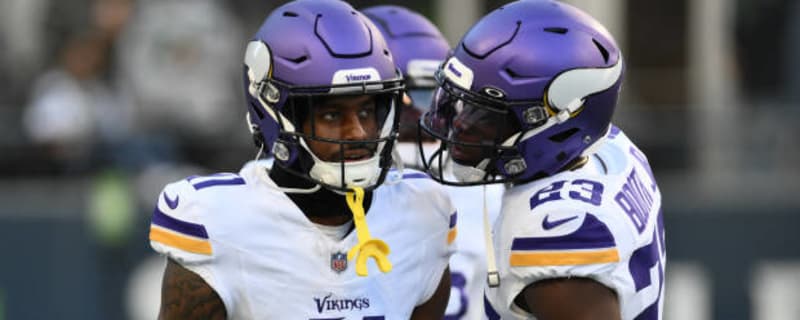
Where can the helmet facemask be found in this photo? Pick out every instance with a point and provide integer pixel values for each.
(338, 160)
(474, 133)
(310, 143)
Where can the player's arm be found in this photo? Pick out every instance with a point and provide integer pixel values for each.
(434, 308)
(570, 298)
(185, 295)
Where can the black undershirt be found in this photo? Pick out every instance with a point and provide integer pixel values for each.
(322, 203)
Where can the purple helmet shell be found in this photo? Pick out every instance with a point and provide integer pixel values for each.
(547, 70)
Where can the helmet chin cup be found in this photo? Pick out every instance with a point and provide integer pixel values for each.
(362, 174)
(468, 174)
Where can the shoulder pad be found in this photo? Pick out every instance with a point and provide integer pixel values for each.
(176, 228)
(575, 239)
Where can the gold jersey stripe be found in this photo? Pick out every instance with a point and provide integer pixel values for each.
(451, 236)
(184, 243)
(563, 258)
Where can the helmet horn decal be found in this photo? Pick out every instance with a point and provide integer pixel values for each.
(568, 90)
(258, 60)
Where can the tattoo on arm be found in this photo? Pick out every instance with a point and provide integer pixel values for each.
(435, 307)
(185, 295)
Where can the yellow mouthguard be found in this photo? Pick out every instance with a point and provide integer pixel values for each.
(367, 246)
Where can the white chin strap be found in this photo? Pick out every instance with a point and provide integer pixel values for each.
(492, 275)
(357, 174)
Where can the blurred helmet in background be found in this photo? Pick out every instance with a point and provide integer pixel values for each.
(418, 48)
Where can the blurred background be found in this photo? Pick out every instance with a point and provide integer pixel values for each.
(102, 102)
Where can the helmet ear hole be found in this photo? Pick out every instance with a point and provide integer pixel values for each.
(255, 131)
(561, 156)
(258, 139)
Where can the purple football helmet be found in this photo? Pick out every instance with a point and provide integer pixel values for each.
(417, 45)
(530, 88)
(305, 52)
(418, 49)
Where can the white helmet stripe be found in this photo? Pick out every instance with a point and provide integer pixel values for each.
(458, 73)
(569, 89)
(422, 68)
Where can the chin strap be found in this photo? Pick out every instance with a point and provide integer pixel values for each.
(367, 246)
(492, 276)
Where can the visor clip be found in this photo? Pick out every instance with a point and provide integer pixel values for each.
(280, 151)
(534, 115)
(515, 166)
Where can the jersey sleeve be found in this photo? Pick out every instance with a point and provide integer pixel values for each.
(568, 243)
(442, 219)
(177, 228)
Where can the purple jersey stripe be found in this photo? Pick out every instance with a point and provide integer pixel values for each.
(592, 234)
(453, 219)
(490, 312)
(613, 132)
(649, 313)
(457, 280)
(187, 228)
(415, 175)
(218, 182)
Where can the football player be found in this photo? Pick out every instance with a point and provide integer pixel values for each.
(526, 98)
(321, 233)
(419, 48)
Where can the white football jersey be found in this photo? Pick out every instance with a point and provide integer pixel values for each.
(266, 260)
(468, 263)
(602, 221)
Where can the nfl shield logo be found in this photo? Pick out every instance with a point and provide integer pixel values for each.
(338, 262)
